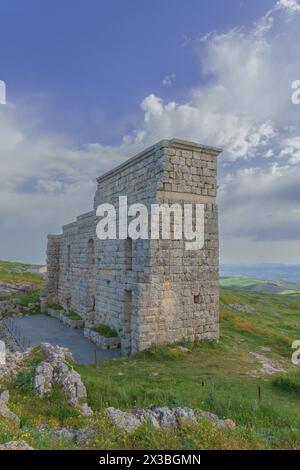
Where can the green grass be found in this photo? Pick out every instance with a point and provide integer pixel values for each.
(73, 316)
(17, 273)
(28, 297)
(105, 330)
(290, 292)
(288, 384)
(12, 272)
(217, 377)
(252, 283)
(56, 307)
(5, 297)
(240, 281)
(24, 300)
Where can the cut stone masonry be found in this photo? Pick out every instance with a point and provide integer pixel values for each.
(151, 292)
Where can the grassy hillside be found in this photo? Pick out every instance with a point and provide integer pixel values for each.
(260, 285)
(223, 378)
(19, 273)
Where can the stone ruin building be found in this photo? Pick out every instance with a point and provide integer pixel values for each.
(151, 292)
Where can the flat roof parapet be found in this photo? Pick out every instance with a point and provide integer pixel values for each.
(86, 215)
(165, 143)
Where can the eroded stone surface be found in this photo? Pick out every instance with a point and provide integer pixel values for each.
(56, 353)
(268, 366)
(164, 417)
(86, 410)
(124, 419)
(12, 364)
(5, 412)
(167, 292)
(80, 436)
(244, 308)
(58, 369)
(16, 445)
(43, 378)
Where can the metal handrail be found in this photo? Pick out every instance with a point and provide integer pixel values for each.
(15, 332)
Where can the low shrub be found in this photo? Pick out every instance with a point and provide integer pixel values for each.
(105, 330)
(288, 384)
(73, 316)
(55, 307)
(24, 382)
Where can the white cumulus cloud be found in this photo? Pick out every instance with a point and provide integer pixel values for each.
(242, 103)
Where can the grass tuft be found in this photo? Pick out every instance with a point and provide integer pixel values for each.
(105, 330)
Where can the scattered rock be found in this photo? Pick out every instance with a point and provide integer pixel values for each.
(268, 366)
(32, 306)
(265, 349)
(12, 363)
(10, 306)
(71, 383)
(220, 423)
(16, 445)
(163, 417)
(229, 423)
(149, 416)
(185, 416)
(123, 419)
(43, 427)
(242, 308)
(56, 369)
(56, 353)
(43, 378)
(7, 288)
(80, 436)
(85, 434)
(65, 433)
(183, 349)
(86, 410)
(5, 411)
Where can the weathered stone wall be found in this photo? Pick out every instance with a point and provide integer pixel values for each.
(182, 300)
(53, 259)
(73, 292)
(119, 289)
(166, 293)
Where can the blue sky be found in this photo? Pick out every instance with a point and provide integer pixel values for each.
(90, 63)
(90, 83)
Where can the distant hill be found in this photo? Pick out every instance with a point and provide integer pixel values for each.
(271, 272)
(259, 285)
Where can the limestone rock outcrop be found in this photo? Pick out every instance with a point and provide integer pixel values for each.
(5, 412)
(16, 445)
(57, 369)
(163, 417)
